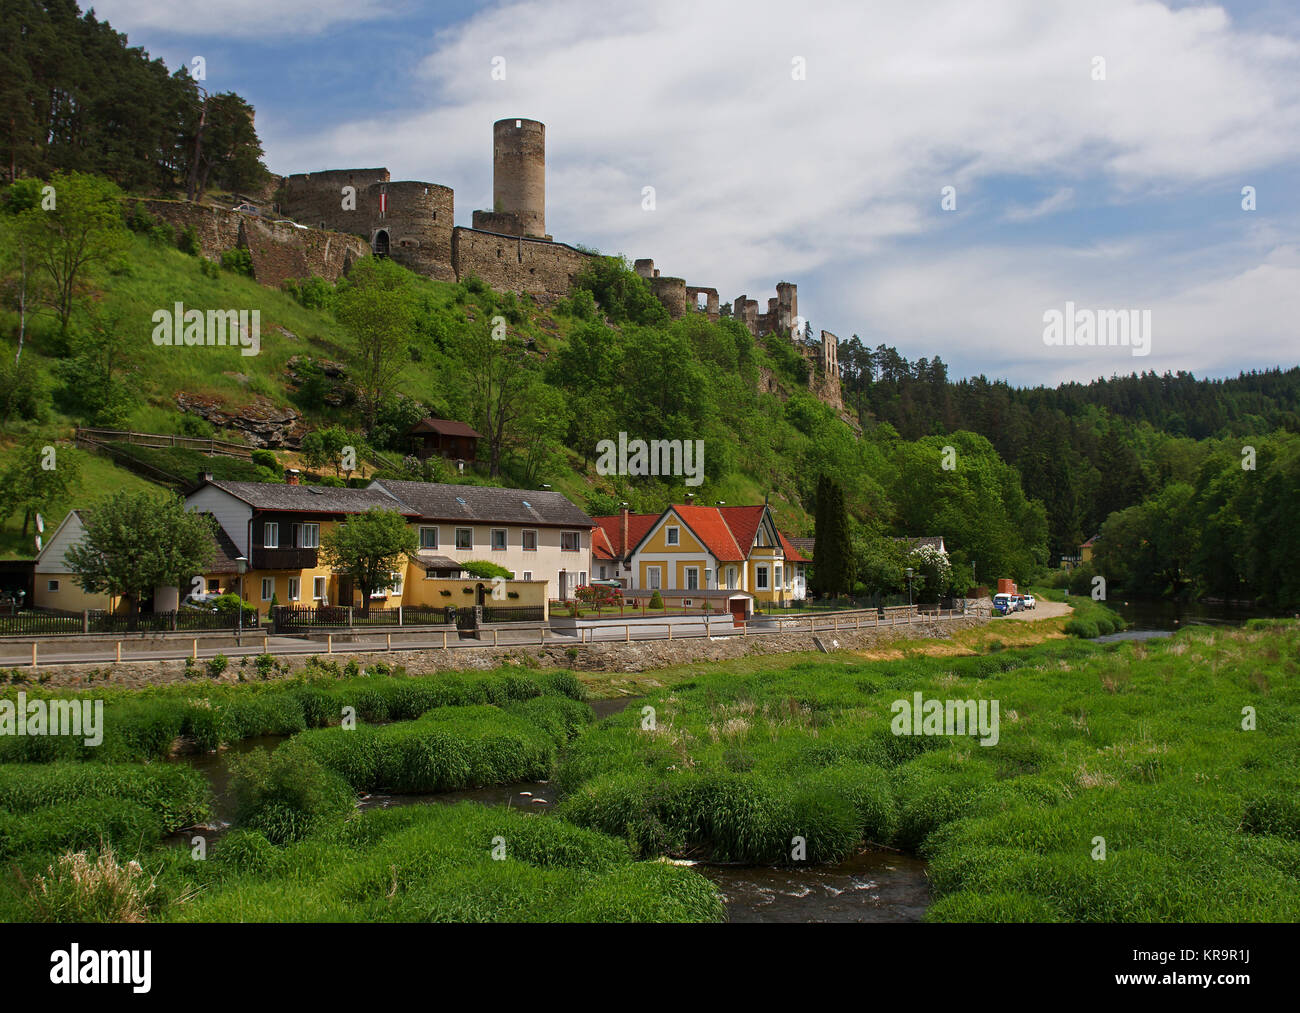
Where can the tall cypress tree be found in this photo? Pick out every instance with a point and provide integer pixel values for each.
(821, 559)
(841, 544)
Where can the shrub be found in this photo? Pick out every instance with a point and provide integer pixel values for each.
(238, 261)
(78, 889)
(187, 241)
(287, 794)
(217, 665)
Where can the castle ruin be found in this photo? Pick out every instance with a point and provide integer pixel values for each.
(413, 222)
(508, 247)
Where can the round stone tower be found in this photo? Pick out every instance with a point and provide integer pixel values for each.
(519, 173)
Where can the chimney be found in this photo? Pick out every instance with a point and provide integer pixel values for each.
(292, 476)
(623, 546)
(205, 476)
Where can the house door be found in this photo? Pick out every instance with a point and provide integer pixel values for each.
(737, 612)
(564, 586)
(345, 591)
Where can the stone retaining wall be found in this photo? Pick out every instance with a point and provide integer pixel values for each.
(617, 656)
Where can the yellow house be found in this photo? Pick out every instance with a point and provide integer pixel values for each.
(55, 582)
(539, 537)
(277, 530)
(698, 548)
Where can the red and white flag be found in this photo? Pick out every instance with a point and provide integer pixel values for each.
(383, 202)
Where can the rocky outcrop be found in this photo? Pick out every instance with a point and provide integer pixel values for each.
(261, 423)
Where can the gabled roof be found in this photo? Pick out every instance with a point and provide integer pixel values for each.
(1090, 542)
(323, 499)
(727, 532)
(435, 501)
(444, 427)
(744, 522)
(73, 517)
(226, 552)
(601, 547)
(710, 526)
(637, 527)
(791, 553)
(805, 546)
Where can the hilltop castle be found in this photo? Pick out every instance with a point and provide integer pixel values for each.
(508, 247)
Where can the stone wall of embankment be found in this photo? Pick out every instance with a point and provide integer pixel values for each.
(617, 656)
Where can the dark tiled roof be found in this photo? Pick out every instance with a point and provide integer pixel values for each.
(804, 545)
(444, 427)
(790, 552)
(435, 561)
(223, 559)
(483, 504)
(919, 541)
(308, 498)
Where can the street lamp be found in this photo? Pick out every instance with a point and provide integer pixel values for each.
(241, 564)
(909, 572)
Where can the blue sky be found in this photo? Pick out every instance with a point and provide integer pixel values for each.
(1121, 193)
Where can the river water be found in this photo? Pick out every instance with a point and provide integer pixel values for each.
(872, 886)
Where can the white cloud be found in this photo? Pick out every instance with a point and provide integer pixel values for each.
(834, 181)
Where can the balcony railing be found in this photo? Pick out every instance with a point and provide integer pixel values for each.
(283, 559)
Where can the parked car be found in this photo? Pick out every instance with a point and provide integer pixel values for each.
(1030, 601)
(1003, 604)
(247, 209)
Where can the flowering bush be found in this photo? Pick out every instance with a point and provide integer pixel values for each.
(599, 595)
(933, 572)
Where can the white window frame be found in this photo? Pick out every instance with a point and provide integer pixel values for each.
(672, 535)
(52, 586)
(760, 578)
(777, 576)
(318, 588)
(577, 541)
(428, 529)
(397, 578)
(271, 535)
(528, 575)
(652, 577)
(505, 539)
(268, 583)
(470, 532)
(309, 536)
(524, 539)
(295, 587)
(691, 573)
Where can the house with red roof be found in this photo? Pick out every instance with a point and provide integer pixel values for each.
(700, 548)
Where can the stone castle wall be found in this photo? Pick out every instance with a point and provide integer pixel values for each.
(278, 252)
(515, 264)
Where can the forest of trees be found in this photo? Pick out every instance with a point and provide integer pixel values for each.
(76, 97)
(1083, 450)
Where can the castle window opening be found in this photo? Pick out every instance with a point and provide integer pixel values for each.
(381, 243)
(518, 124)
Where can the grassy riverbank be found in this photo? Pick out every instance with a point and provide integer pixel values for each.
(1139, 746)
